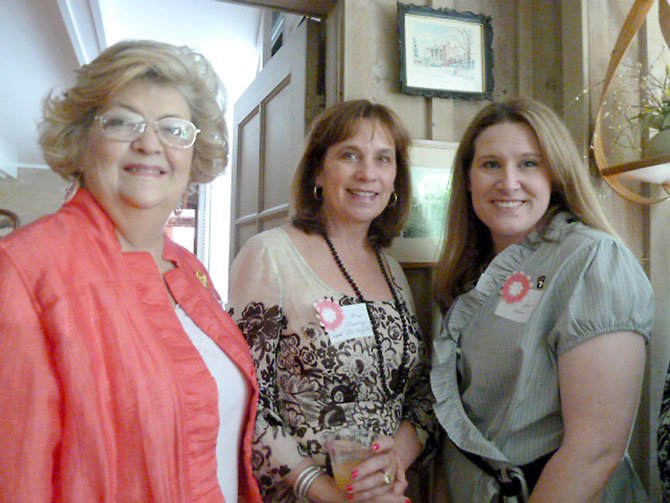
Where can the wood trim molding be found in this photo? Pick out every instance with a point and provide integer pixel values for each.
(318, 8)
(85, 28)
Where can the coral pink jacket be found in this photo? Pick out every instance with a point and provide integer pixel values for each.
(102, 395)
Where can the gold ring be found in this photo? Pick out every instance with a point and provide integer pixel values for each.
(388, 480)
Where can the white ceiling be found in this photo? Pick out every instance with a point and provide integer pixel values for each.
(42, 42)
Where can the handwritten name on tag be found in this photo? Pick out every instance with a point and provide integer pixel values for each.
(355, 325)
(519, 311)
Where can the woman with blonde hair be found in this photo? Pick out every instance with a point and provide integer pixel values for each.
(538, 367)
(121, 376)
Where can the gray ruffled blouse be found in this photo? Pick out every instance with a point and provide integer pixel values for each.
(495, 376)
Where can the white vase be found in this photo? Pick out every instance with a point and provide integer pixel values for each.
(659, 144)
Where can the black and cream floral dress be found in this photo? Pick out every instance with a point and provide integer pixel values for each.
(309, 385)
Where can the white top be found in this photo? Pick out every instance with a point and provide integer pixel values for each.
(233, 397)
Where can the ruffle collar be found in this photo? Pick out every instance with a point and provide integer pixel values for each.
(507, 262)
(448, 406)
(103, 228)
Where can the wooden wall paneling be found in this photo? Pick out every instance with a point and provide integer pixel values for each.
(441, 112)
(576, 102)
(505, 46)
(450, 117)
(539, 68)
(547, 56)
(420, 281)
(524, 43)
(372, 63)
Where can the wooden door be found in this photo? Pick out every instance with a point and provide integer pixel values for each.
(270, 122)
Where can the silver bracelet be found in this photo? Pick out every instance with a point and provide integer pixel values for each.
(301, 477)
(305, 480)
(307, 483)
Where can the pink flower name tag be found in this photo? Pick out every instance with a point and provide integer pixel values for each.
(518, 298)
(343, 323)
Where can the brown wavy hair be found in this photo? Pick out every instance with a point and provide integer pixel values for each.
(468, 246)
(334, 125)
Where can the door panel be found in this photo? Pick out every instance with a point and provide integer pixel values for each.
(270, 121)
(249, 157)
(271, 223)
(246, 231)
(279, 162)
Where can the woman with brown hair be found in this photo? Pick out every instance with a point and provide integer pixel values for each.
(538, 368)
(329, 315)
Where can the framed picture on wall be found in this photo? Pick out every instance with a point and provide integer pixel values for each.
(444, 53)
(420, 243)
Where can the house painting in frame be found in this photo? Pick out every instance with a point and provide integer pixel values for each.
(445, 53)
(420, 242)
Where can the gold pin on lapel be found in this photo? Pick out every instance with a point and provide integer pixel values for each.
(202, 277)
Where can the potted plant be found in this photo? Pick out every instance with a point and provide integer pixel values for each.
(655, 115)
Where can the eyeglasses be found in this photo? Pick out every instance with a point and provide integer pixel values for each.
(172, 131)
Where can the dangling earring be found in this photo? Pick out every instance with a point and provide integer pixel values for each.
(318, 193)
(393, 200)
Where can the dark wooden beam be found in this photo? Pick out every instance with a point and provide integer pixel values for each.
(318, 8)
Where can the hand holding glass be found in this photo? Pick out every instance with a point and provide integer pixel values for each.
(348, 447)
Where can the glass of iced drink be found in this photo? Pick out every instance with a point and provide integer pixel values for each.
(348, 447)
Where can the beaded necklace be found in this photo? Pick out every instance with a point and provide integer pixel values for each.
(402, 311)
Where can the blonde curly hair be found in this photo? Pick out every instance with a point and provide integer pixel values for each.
(68, 116)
